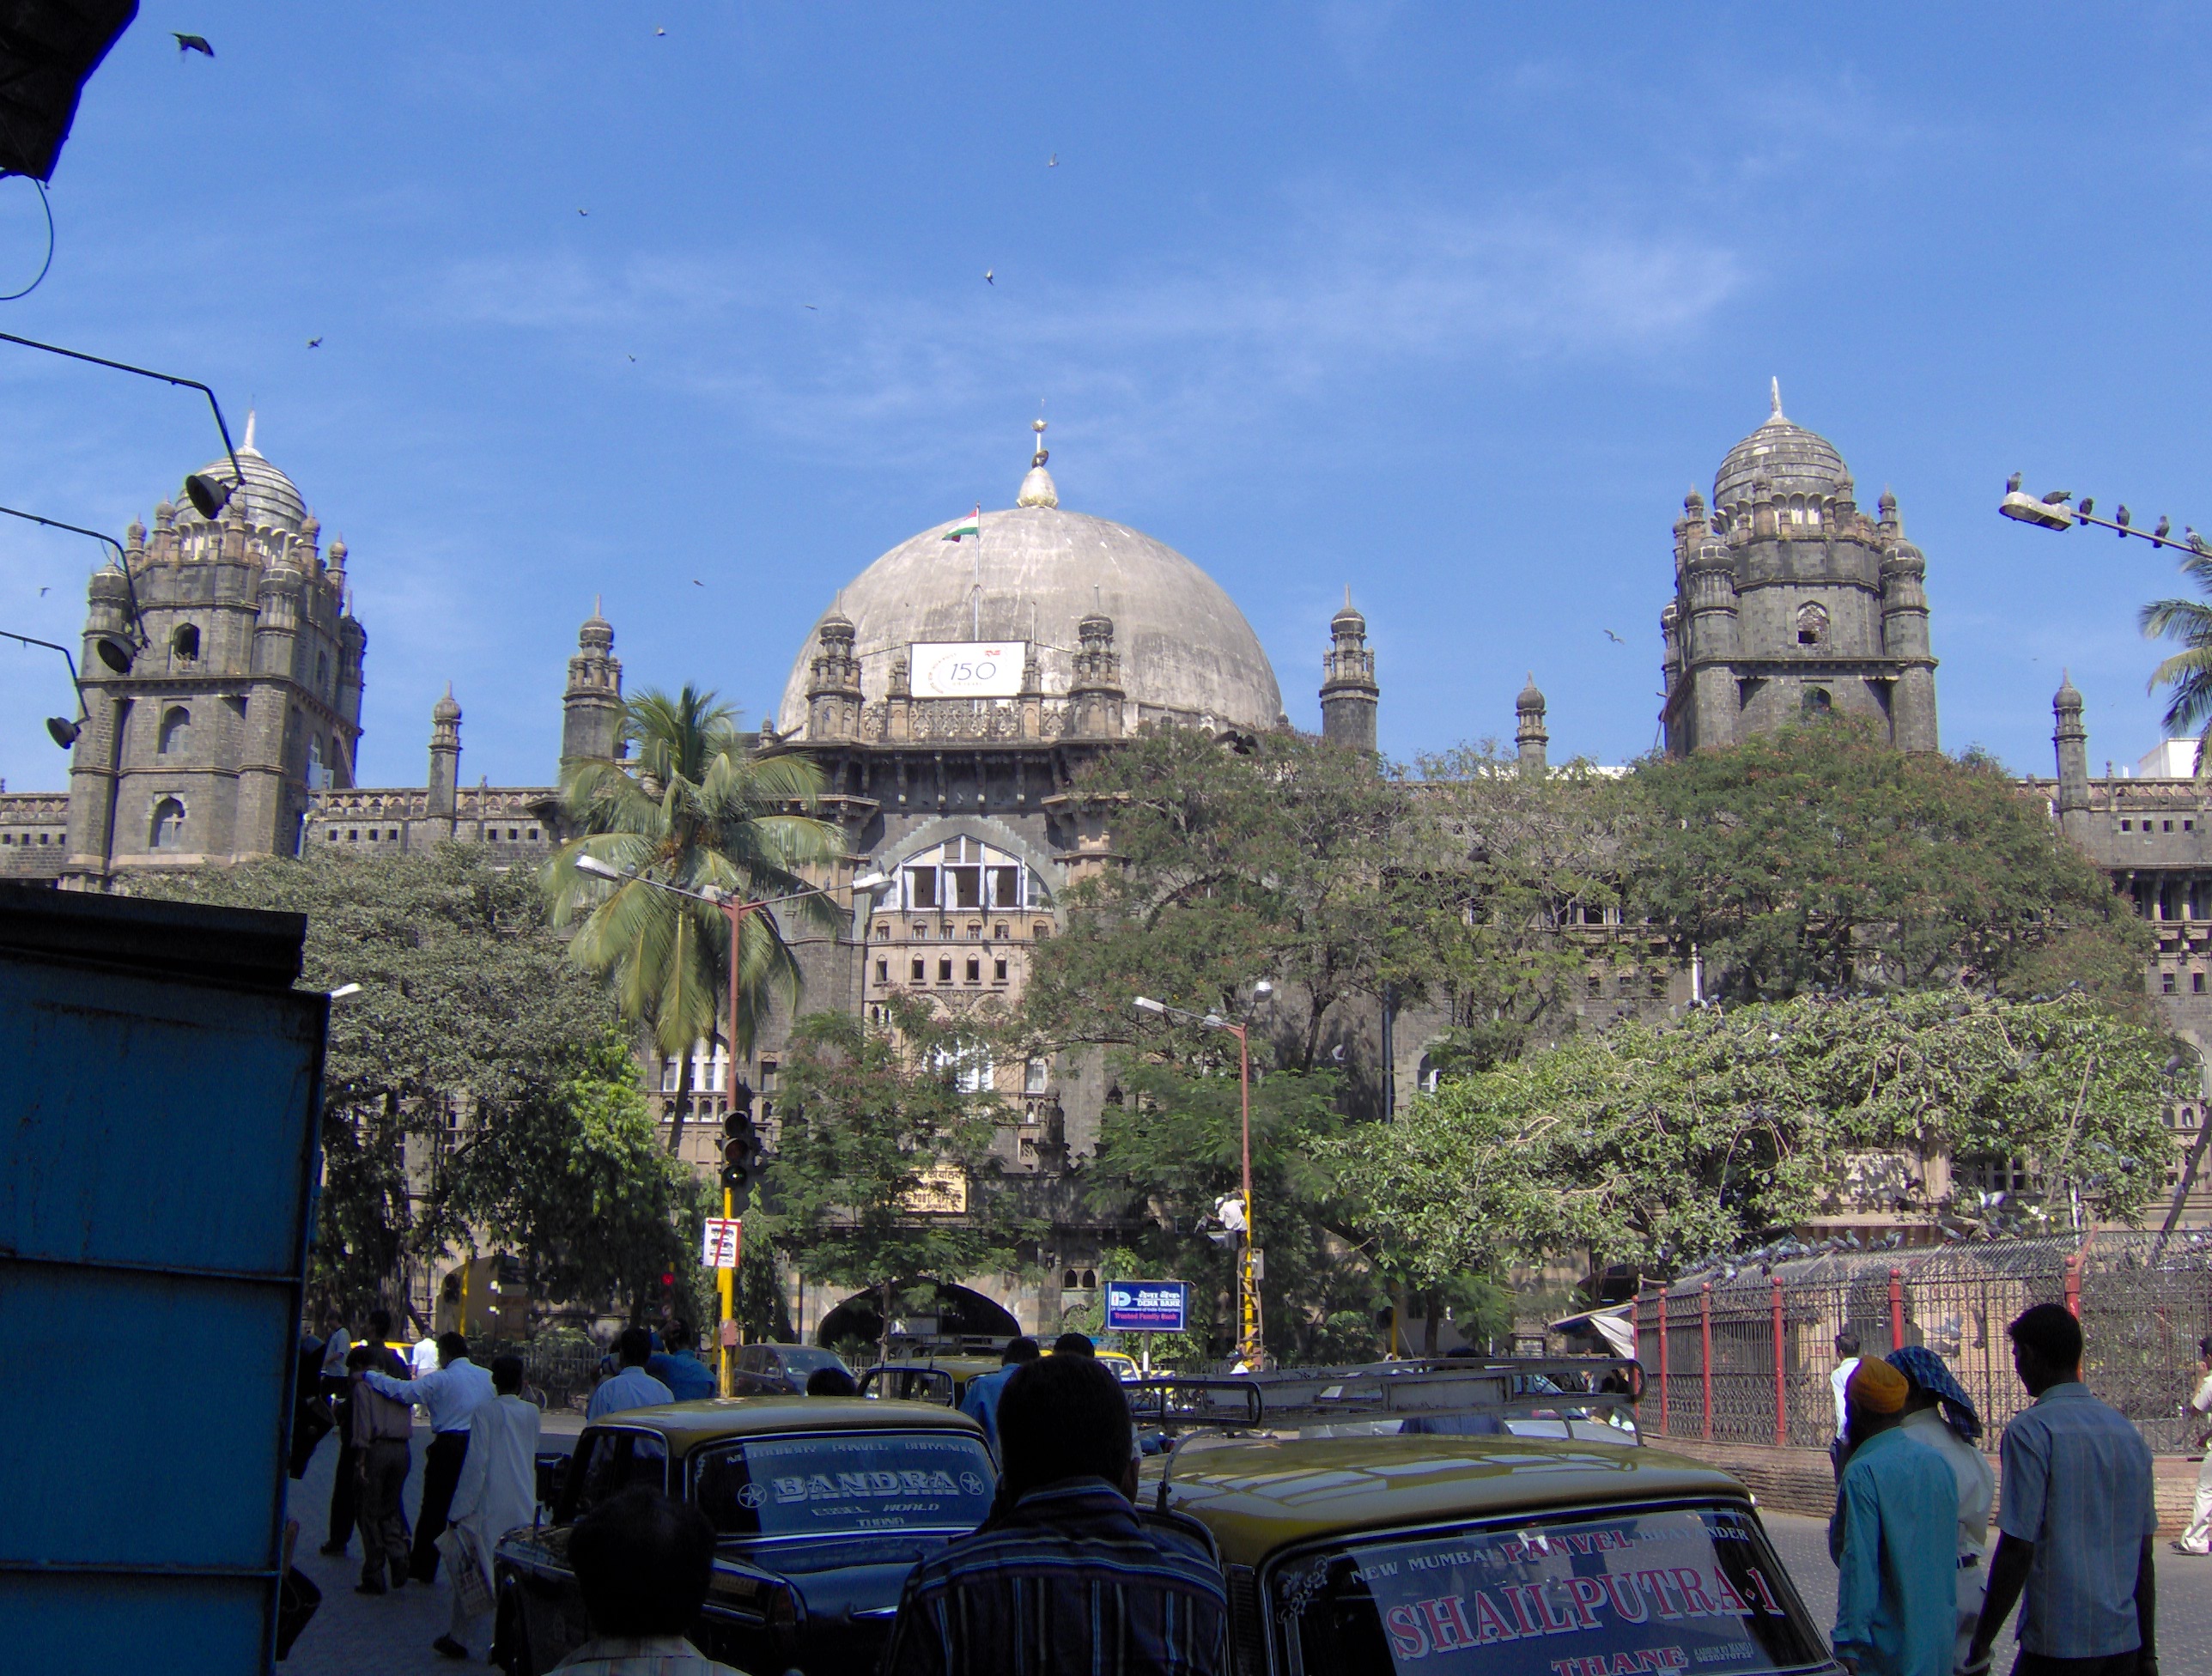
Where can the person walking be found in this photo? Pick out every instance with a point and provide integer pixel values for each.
(338, 1387)
(498, 1488)
(1063, 1576)
(630, 1385)
(1939, 1414)
(1891, 1538)
(2196, 1538)
(688, 1378)
(2075, 1522)
(1847, 1362)
(382, 1428)
(449, 1398)
(980, 1401)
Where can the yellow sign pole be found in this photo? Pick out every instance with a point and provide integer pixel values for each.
(728, 1280)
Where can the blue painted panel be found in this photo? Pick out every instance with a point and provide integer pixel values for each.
(181, 1626)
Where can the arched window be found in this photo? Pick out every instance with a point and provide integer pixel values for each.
(186, 643)
(1817, 703)
(1813, 624)
(168, 825)
(176, 730)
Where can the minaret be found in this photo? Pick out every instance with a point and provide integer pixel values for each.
(1348, 692)
(445, 758)
(1529, 735)
(2072, 740)
(833, 686)
(1905, 633)
(591, 707)
(1095, 696)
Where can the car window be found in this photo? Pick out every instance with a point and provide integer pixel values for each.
(1674, 1588)
(804, 1359)
(844, 1482)
(609, 1462)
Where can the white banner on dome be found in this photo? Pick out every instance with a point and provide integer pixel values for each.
(968, 669)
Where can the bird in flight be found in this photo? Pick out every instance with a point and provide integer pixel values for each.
(314, 343)
(696, 583)
(583, 212)
(988, 278)
(1614, 638)
(816, 307)
(658, 31)
(1052, 162)
(42, 593)
(192, 44)
(633, 357)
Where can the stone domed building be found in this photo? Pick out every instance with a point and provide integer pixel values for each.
(1790, 602)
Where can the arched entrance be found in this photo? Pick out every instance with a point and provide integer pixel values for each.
(960, 1314)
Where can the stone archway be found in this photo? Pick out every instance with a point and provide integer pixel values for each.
(961, 1313)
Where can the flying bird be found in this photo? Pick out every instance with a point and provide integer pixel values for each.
(42, 593)
(813, 305)
(2012, 483)
(1052, 162)
(696, 583)
(314, 343)
(2165, 526)
(583, 212)
(988, 278)
(633, 357)
(1614, 638)
(193, 44)
(658, 30)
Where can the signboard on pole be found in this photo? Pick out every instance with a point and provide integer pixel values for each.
(1146, 1306)
(721, 1241)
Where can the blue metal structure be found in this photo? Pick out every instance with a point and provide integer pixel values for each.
(160, 1083)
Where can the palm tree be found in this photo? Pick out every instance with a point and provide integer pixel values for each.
(2188, 671)
(697, 810)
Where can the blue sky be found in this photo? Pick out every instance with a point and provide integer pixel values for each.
(1451, 303)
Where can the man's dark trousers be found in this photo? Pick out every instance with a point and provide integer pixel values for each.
(441, 1476)
(382, 1525)
(345, 1489)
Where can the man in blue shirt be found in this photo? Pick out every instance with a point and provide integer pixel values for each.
(1063, 1576)
(631, 1387)
(1892, 1538)
(2074, 1520)
(686, 1376)
(980, 1402)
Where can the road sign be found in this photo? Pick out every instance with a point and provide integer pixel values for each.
(718, 1244)
(1146, 1306)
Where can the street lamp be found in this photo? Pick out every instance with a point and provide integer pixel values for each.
(112, 652)
(734, 910)
(208, 495)
(1252, 1348)
(2050, 512)
(64, 731)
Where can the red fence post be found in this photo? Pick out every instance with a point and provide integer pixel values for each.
(1705, 1351)
(1665, 1430)
(1781, 1408)
(1897, 1308)
(2073, 1285)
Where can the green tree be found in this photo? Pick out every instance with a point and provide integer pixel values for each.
(2188, 671)
(882, 1178)
(693, 809)
(1821, 858)
(473, 1037)
(1655, 1145)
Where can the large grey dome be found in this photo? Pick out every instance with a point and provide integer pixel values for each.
(269, 499)
(1033, 574)
(1790, 458)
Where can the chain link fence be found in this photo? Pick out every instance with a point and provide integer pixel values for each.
(1745, 1356)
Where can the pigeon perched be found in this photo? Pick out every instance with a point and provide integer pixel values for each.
(2196, 541)
(2087, 505)
(192, 44)
(2121, 517)
(2165, 526)
(2012, 483)
(2058, 497)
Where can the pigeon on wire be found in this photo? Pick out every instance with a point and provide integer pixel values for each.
(2088, 503)
(2122, 517)
(2012, 483)
(192, 44)
(2165, 527)
(2058, 497)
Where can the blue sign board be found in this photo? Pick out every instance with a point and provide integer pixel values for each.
(1146, 1306)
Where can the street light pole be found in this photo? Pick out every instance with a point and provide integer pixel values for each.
(2050, 512)
(734, 910)
(115, 656)
(63, 730)
(1252, 1344)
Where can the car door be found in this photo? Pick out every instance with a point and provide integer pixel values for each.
(548, 1608)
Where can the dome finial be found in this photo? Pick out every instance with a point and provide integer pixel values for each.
(247, 447)
(1038, 489)
(1774, 387)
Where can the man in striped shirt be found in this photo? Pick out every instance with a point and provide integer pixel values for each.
(1063, 1578)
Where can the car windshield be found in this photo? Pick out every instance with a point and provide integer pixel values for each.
(804, 1358)
(1674, 1588)
(841, 1482)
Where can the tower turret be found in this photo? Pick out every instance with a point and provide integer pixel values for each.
(1349, 695)
(445, 757)
(1095, 695)
(833, 690)
(2072, 740)
(1529, 736)
(591, 707)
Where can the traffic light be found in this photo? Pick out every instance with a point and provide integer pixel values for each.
(742, 1162)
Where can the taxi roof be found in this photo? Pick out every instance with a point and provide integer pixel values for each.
(711, 1419)
(1259, 1494)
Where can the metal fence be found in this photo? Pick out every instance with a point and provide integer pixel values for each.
(1747, 1357)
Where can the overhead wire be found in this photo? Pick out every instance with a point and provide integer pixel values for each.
(46, 266)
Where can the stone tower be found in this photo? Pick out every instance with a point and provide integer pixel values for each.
(2072, 741)
(1348, 692)
(1095, 694)
(1529, 738)
(445, 756)
(592, 706)
(833, 692)
(1790, 604)
(244, 698)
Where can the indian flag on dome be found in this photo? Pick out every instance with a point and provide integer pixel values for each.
(971, 526)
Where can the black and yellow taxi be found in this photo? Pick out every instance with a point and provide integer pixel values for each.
(821, 1506)
(1389, 1526)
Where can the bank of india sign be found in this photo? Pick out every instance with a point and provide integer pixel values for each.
(966, 669)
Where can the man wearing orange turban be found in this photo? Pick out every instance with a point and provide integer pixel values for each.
(1892, 1537)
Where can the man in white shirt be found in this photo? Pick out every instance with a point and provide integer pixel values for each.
(1847, 1364)
(498, 1490)
(449, 1399)
(423, 1358)
(630, 1385)
(1939, 1414)
(2197, 1538)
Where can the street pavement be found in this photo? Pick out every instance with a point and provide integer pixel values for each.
(355, 1635)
